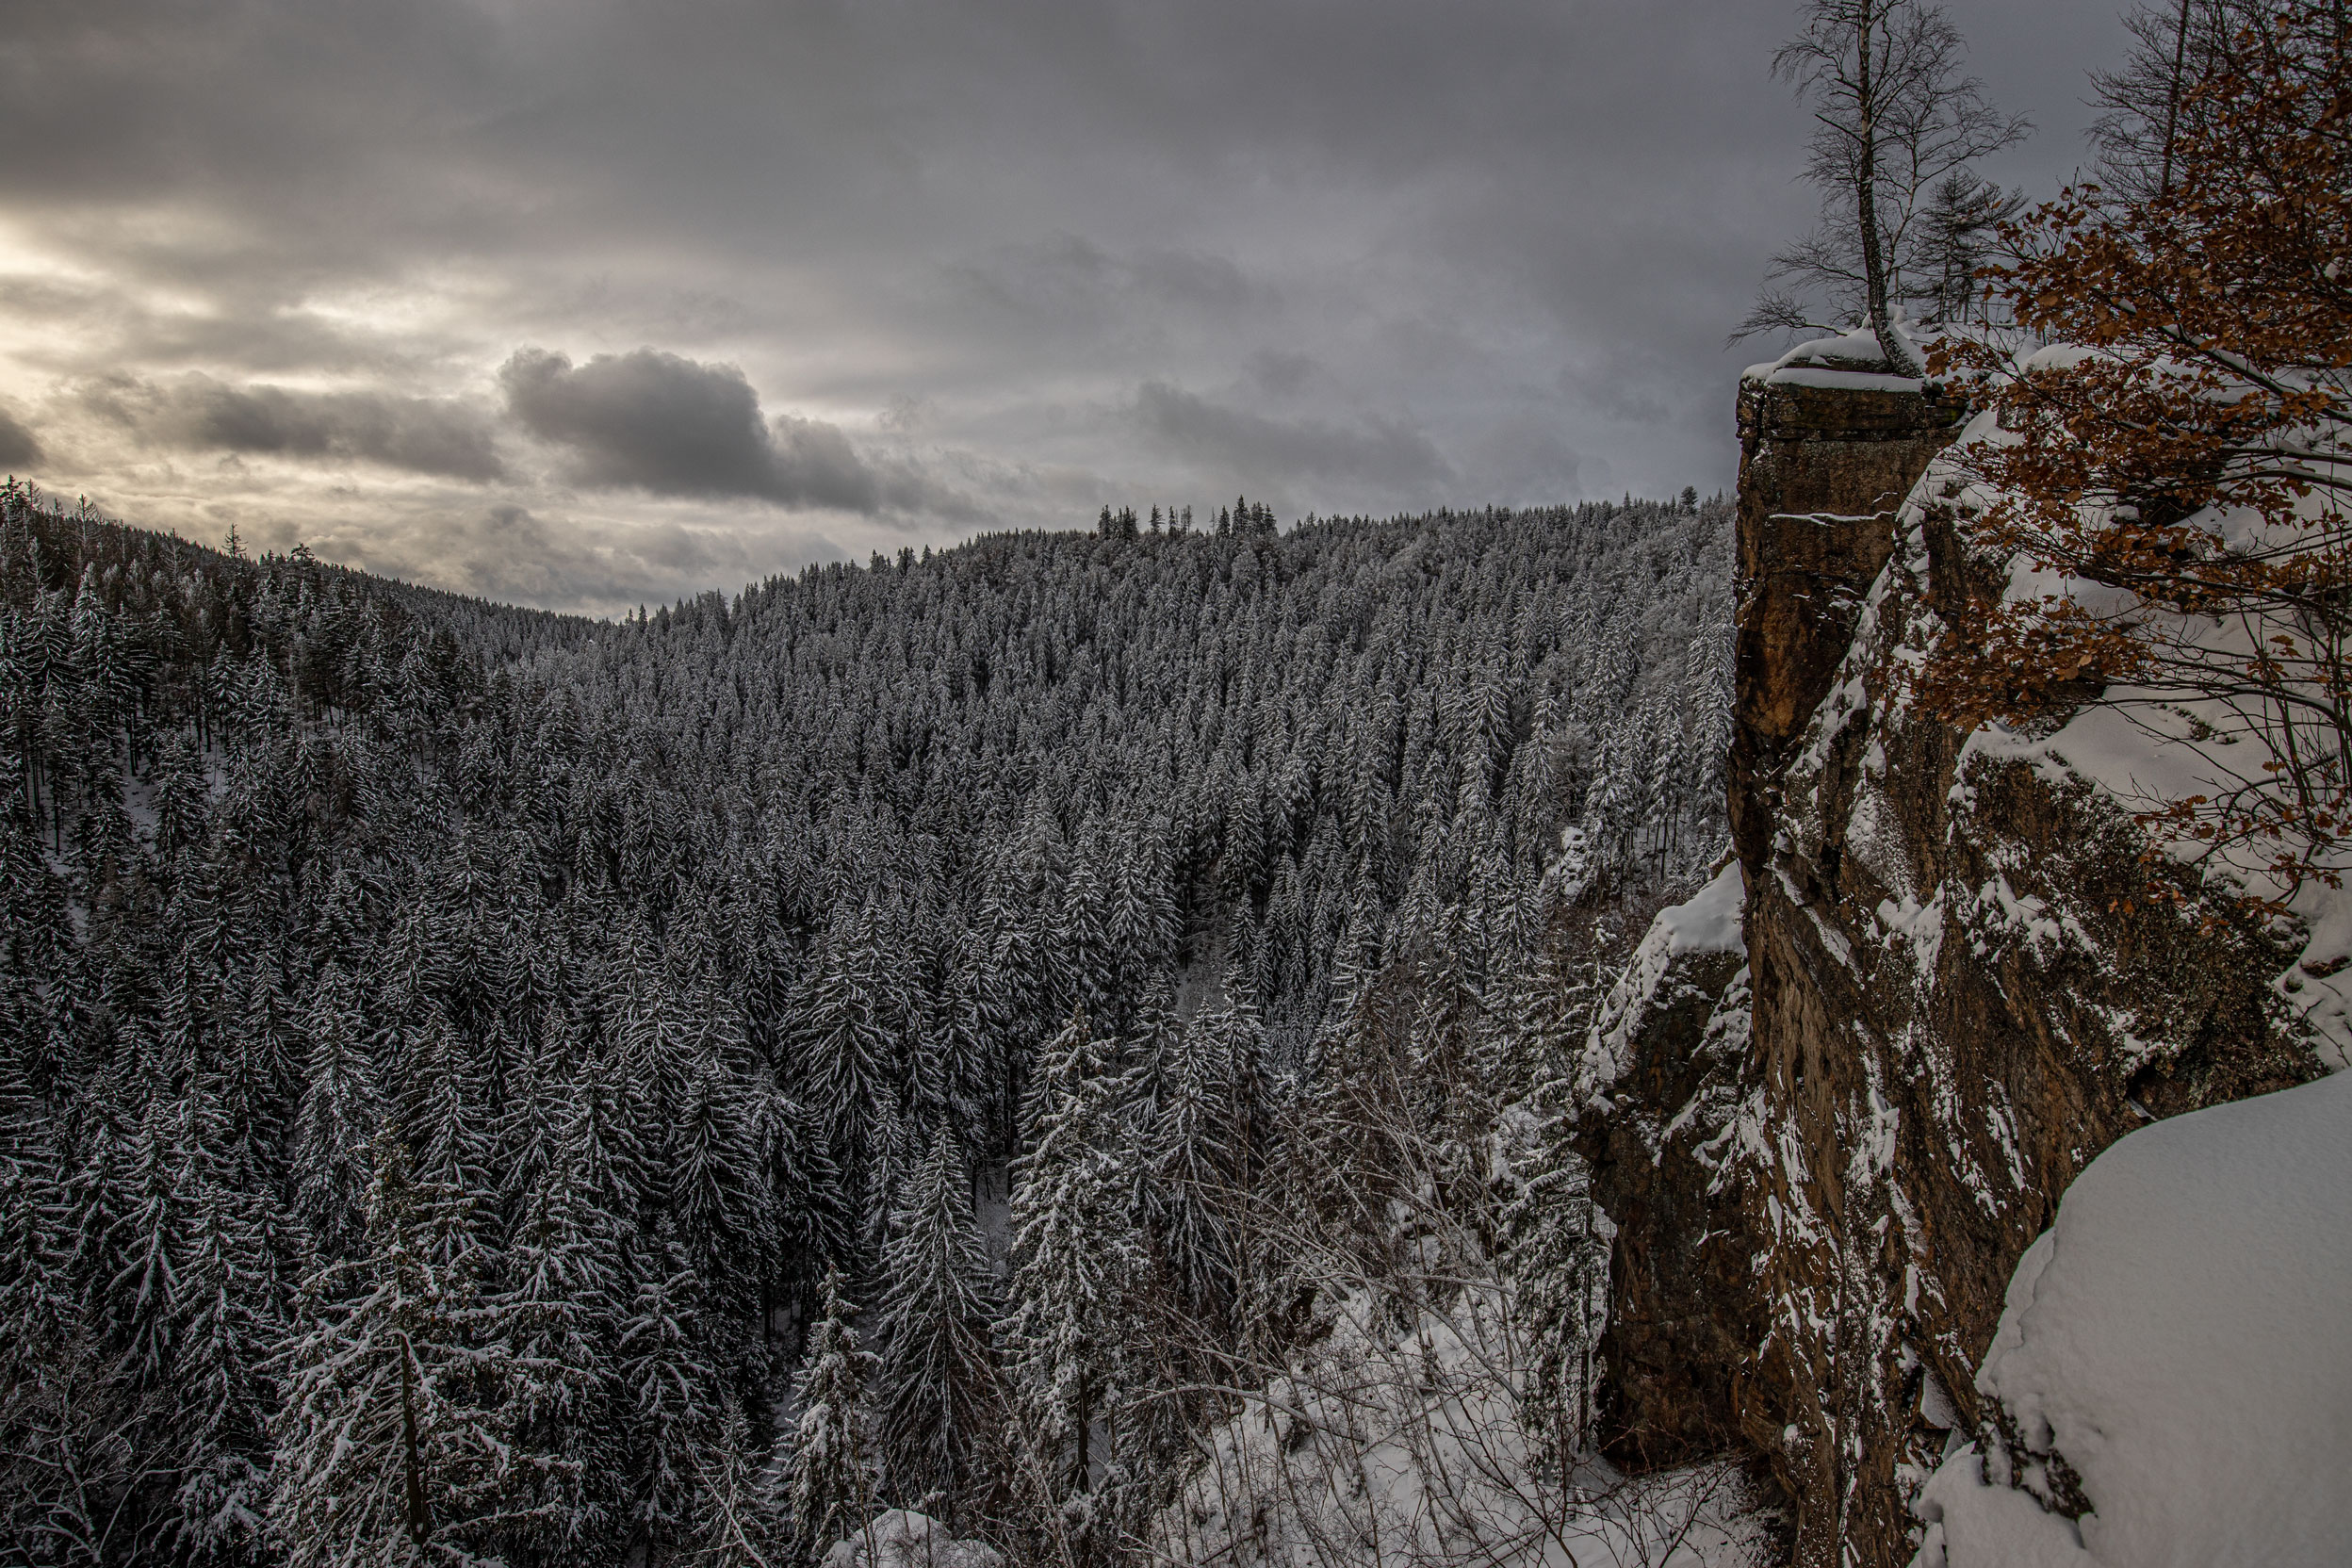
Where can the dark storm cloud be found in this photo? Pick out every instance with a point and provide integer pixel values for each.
(1528, 222)
(1263, 451)
(18, 449)
(667, 424)
(656, 421)
(424, 435)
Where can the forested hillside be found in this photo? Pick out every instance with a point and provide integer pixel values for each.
(457, 1061)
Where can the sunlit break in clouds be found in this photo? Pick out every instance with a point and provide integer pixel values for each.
(593, 304)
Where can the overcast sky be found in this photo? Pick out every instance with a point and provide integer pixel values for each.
(585, 304)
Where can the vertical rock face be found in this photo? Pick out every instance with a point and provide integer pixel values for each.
(1822, 470)
(1964, 978)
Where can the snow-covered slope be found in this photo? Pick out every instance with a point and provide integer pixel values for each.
(1388, 1449)
(2174, 1362)
(901, 1538)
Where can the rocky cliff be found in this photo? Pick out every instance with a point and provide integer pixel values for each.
(1963, 977)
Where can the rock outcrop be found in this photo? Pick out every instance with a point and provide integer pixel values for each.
(1662, 1077)
(1964, 977)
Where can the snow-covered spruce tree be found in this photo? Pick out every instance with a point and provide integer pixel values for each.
(1077, 1260)
(842, 1027)
(715, 1198)
(564, 1287)
(967, 1028)
(340, 1109)
(1083, 936)
(805, 1230)
(1142, 908)
(832, 1489)
(601, 1141)
(261, 1076)
(227, 1305)
(647, 1031)
(673, 1391)
(890, 1158)
(1556, 1254)
(39, 1489)
(443, 1112)
(1193, 1153)
(397, 1439)
(72, 1459)
(936, 1386)
(739, 1520)
(35, 1302)
(150, 1239)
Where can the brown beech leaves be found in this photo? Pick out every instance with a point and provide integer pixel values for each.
(2181, 467)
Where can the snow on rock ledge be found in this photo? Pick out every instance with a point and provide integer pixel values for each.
(1851, 361)
(2173, 1362)
(1709, 923)
(1705, 925)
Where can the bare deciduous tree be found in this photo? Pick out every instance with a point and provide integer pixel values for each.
(1896, 125)
(2151, 103)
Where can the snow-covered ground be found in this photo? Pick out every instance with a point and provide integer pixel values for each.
(1411, 1449)
(902, 1538)
(2175, 1354)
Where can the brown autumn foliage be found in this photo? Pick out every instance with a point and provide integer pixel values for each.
(2189, 455)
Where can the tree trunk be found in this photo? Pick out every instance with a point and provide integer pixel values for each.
(1898, 356)
(2172, 95)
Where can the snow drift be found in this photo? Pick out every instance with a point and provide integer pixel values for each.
(2173, 1363)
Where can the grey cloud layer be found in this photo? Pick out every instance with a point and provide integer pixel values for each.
(999, 262)
(425, 435)
(1382, 455)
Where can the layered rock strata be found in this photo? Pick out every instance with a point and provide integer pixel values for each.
(1964, 977)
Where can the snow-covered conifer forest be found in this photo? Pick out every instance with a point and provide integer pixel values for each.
(969, 1035)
